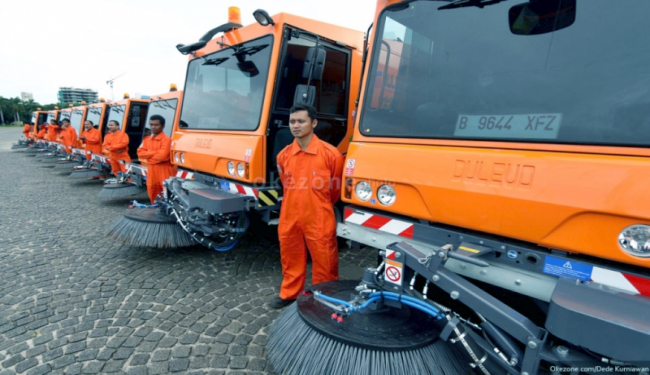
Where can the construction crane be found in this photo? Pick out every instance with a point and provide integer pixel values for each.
(110, 82)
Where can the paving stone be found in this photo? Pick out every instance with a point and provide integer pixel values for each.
(13, 360)
(93, 367)
(123, 353)
(220, 361)
(37, 350)
(137, 370)
(161, 355)
(40, 370)
(52, 354)
(18, 348)
(87, 355)
(178, 365)
(26, 365)
(139, 359)
(75, 347)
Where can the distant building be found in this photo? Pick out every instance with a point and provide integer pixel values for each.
(26, 96)
(73, 95)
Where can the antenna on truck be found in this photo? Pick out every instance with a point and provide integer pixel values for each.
(110, 83)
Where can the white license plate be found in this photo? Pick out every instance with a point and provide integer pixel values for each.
(531, 126)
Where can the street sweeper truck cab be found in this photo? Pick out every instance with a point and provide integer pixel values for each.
(97, 114)
(168, 106)
(235, 117)
(130, 115)
(504, 185)
(75, 157)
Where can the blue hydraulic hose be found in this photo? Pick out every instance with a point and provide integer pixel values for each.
(135, 204)
(373, 297)
(226, 248)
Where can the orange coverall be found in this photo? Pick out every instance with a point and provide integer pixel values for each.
(311, 184)
(156, 150)
(68, 138)
(52, 132)
(118, 146)
(26, 130)
(41, 133)
(93, 144)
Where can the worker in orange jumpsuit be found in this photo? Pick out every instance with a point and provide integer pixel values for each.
(156, 151)
(116, 147)
(68, 136)
(52, 130)
(310, 170)
(41, 132)
(92, 140)
(28, 128)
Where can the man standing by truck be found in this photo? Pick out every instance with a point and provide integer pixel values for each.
(310, 170)
(116, 147)
(92, 140)
(155, 150)
(68, 136)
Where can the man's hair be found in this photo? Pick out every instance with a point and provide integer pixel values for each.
(91, 123)
(66, 120)
(55, 122)
(311, 111)
(159, 118)
(31, 123)
(115, 121)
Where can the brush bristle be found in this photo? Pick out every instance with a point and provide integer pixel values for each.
(294, 348)
(68, 165)
(143, 234)
(126, 191)
(85, 173)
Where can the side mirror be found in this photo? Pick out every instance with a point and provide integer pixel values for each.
(185, 49)
(541, 17)
(314, 63)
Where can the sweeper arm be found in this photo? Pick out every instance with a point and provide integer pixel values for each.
(575, 310)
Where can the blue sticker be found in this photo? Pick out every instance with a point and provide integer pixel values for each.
(512, 254)
(372, 201)
(225, 185)
(570, 268)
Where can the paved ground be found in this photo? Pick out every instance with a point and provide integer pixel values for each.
(72, 301)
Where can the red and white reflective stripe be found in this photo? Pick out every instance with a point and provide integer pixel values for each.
(241, 189)
(622, 281)
(380, 223)
(185, 175)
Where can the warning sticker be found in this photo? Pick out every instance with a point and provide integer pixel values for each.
(349, 167)
(393, 272)
(247, 154)
(569, 268)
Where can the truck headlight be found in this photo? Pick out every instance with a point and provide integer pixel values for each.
(386, 195)
(182, 158)
(240, 170)
(231, 168)
(176, 157)
(363, 190)
(635, 240)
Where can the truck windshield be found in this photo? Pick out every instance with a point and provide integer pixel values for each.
(117, 114)
(64, 115)
(75, 119)
(462, 73)
(225, 90)
(94, 115)
(33, 118)
(166, 109)
(51, 116)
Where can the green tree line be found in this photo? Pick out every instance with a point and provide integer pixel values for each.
(15, 110)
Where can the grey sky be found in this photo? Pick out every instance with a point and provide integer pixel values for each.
(48, 44)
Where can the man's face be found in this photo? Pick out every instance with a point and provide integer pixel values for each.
(300, 124)
(88, 125)
(65, 124)
(156, 126)
(53, 122)
(112, 127)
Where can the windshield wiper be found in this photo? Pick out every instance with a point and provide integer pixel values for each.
(216, 61)
(243, 51)
(469, 3)
(117, 109)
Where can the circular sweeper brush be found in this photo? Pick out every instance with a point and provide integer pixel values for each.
(148, 227)
(305, 340)
(119, 190)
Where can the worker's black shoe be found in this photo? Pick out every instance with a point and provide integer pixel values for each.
(278, 303)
